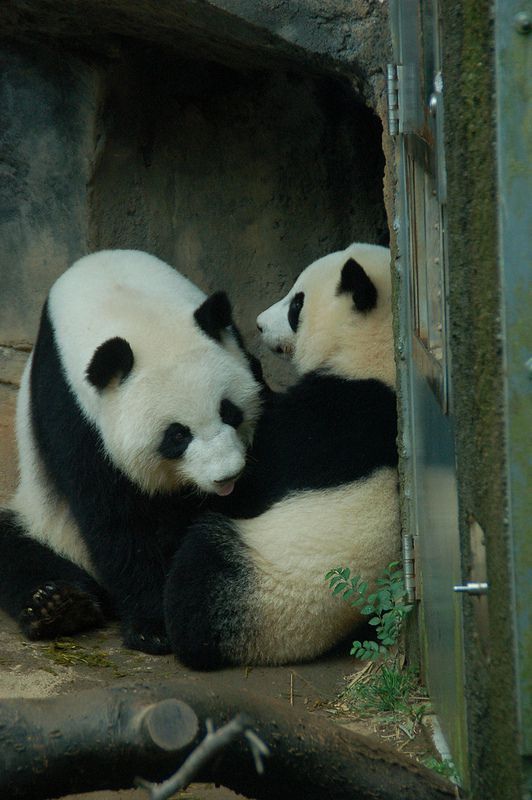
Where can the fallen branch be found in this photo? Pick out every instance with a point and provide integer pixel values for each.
(99, 740)
(214, 742)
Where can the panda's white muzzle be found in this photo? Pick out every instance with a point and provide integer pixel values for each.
(214, 464)
(275, 329)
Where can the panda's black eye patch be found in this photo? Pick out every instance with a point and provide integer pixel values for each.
(231, 414)
(294, 310)
(175, 441)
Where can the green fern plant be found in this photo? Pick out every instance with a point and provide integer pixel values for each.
(386, 607)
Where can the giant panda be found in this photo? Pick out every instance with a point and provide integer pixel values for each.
(137, 402)
(320, 490)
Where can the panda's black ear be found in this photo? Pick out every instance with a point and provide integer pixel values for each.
(214, 315)
(112, 359)
(355, 281)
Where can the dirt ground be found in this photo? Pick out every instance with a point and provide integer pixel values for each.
(97, 659)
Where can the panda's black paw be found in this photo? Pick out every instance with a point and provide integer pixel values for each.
(60, 609)
(149, 637)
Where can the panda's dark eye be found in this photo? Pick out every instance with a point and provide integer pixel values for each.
(294, 310)
(175, 441)
(231, 414)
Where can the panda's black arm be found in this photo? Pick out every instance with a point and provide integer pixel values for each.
(131, 553)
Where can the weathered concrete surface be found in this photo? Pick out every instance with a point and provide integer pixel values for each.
(48, 105)
(346, 36)
(230, 139)
(8, 450)
(239, 179)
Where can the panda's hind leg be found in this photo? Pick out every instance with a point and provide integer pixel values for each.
(47, 595)
(207, 596)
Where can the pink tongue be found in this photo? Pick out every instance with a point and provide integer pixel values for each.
(225, 489)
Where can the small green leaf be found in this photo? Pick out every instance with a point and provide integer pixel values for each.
(367, 610)
(348, 593)
(374, 621)
(339, 586)
(345, 573)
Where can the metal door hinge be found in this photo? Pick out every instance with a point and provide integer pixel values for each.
(392, 86)
(404, 112)
(409, 568)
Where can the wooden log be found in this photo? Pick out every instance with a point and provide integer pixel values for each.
(102, 739)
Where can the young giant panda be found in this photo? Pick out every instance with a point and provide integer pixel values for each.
(320, 489)
(136, 401)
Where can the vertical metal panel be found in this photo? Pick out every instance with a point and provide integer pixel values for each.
(513, 41)
(427, 449)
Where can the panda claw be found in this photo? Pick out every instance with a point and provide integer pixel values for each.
(59, 610)
(138, 636)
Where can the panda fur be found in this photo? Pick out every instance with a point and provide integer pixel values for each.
(320, 489)
(136, 402)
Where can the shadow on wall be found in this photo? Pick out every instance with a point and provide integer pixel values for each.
(239, 179)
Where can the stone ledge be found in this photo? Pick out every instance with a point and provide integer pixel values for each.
(12, 362)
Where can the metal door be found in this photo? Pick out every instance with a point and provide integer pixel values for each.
(416, 91)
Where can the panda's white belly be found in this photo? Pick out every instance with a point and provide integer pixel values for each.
(298, 540)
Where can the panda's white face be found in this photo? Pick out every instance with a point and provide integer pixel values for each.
(337, 316)
(155, 366)
(185, 424)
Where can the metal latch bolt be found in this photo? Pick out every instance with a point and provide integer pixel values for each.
(472, 588)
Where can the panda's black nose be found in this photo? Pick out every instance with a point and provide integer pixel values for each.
(259, 327)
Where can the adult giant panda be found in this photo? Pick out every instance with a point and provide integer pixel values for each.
(320, 489)
(137, 400)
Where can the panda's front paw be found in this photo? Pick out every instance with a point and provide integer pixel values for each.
(60, 609)
(149, 637)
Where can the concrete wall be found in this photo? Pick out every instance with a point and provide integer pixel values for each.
(238, 178)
